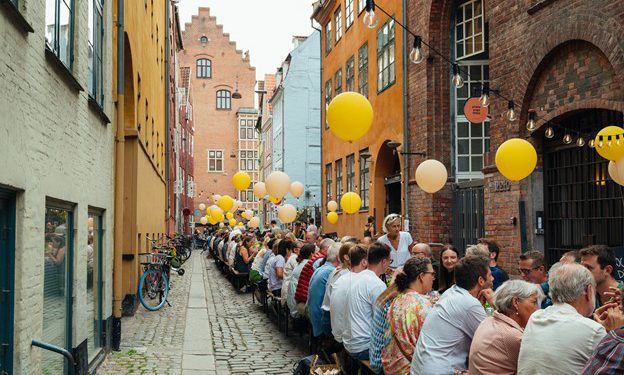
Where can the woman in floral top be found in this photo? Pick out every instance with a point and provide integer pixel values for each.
(406, 315)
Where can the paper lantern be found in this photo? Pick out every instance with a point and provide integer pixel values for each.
(259, 190)
(616, 170)
(350, 116)
(203, 220)
(232, 222)
(287, 213)
(229, 216)
(248, 214)
(254, 222)
(240, 225)
(241, 180)
(332, 217)
(277, 184)
(296, 189)
(202, 207)
(351, 202)
(225, 203)
(431, 176)
(516, 159)
(332, 206)
(609, 143)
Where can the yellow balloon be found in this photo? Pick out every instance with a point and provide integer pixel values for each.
(212, 221)
(240, 224)
(241, 180)
(516, 159)
(287, 213)
(609, 143)
(259, 190)
(431, 175)
(216, 213)
(277, 184)
(235, 206)
(232, 222)
(275, 200)
(225, 202)
(350, 116)
(296, 189)
(351, 202)
(332, 217)
(332, 206)
(229, 216)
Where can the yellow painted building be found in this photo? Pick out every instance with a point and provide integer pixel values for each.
(369, 61)
(140, 122)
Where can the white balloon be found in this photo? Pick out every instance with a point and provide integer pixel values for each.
(287, 213)
(296, 189)
(249, 214)
(216, 198)
(431, 175)
(259, 190)
(277, 184)
(254, 222)
(332, 206)
(202, 206)
(616, 169)
(203, 220)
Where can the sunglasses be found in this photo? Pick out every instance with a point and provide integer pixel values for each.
(524, 271)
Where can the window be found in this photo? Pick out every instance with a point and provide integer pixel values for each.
(94, 270)
(224, 99)
(350, 70)
(385, 56)
(469, 29)
(338, 82)
(215, 160)
(247, 195)
(247, 130)
(203, 40)
(59, 29)
(328, 37)
(328, 182)
(57, 285)
(328, 98)
(364, 176)
(338, 181)
(361, 6)
(351, 172)
(363, 70)
(471, 140)
(248, 160)
(348, 13)
(204, 68)
(96, 37)
(338, 20)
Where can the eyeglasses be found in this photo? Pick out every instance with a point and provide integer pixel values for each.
(524, 271)
(433, 273)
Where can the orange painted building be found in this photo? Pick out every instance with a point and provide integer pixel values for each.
(219, 74)
(369, 61)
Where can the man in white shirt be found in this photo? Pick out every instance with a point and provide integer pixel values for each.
(340, 291)
(366, 286)
(560, 339)
(446, 335)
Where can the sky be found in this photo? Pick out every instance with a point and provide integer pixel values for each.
(264, 27)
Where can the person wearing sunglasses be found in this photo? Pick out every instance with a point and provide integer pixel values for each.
(398, 241)
(532, 268)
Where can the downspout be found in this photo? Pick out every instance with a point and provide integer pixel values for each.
(119, 182)
(406, 146)
(322, 168)
(167, 120)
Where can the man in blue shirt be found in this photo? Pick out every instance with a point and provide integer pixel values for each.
(316, 293)
(499, 275)
(533, 269)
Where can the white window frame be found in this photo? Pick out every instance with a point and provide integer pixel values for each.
(338, 22)
(469, 24)
(386, 55)
(349, 13)
(216, 158)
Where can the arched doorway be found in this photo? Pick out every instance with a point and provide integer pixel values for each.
(582, 205)
(388, 184)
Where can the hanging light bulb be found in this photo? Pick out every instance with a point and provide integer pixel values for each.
(549, 132)
(531, 125)
(609, 141)
(591, 143)
(567, 139)
(511, 111)
(370, 19)
(600, 144)
(580, 142)
(617, 140)
(485, 96)
(416, 54)
(458, 81)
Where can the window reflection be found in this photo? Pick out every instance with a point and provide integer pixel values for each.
(92, 250)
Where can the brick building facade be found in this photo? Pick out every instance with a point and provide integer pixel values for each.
(219, 73)
(561, 59)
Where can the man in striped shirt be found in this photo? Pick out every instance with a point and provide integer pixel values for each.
(608, 358)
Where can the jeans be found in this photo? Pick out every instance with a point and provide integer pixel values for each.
(363, 356)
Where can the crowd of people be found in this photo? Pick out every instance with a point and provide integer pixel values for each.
(403, 308)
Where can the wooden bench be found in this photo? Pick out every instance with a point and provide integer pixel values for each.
(281, 310)
(237, 277)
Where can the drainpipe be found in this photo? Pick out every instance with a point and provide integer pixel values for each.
(320, 125)
(119, 182)
(167, 120)
(405, 116)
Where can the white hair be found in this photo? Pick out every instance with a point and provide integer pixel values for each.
(503, 297)
(568, 282)
(332, 253)
(478, 251)
(326, 243)
(388, 219)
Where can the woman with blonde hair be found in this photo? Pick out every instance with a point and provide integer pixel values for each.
(398, 241)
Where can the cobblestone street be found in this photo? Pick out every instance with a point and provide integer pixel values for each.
(209, 329)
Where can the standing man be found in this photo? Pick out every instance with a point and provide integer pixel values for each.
(312, 227)
(499, 275)
(533, 269)
(600, 261)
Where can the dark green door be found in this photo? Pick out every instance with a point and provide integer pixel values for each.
(7, 252)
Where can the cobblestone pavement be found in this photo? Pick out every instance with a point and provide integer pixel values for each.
(241, 339)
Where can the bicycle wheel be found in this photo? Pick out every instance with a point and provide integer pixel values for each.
(153, 289)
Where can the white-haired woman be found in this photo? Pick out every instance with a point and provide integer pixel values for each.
(496, 342)
(397, 240)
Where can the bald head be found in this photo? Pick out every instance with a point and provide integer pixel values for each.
(421, 250)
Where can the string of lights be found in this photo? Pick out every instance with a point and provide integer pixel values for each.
(417, 56)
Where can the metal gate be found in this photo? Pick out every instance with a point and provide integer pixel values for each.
(582, 205)
(468, 214)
